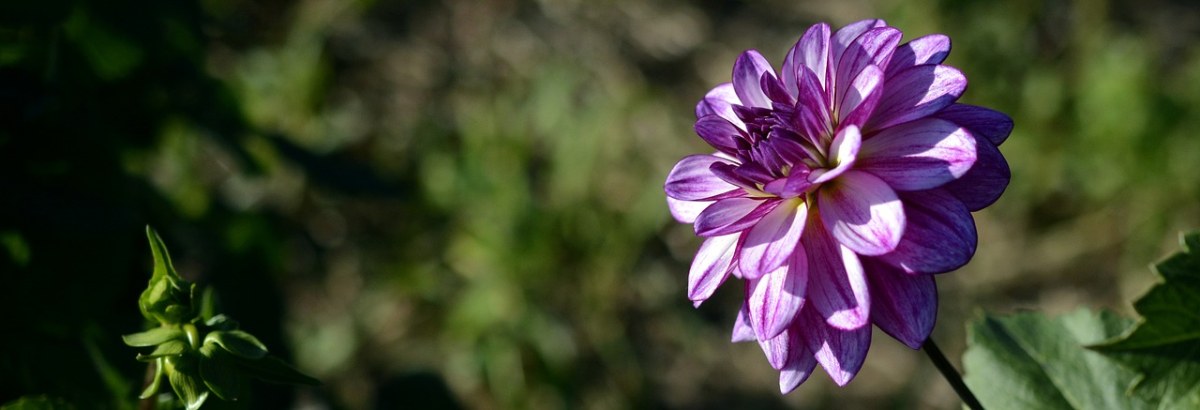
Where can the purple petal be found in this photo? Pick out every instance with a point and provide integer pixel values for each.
(777, 350)
(840, 352)
(728, 172)
(710, 267)
(982, 122)
(836, 285)
(842, 39)
(872, 48)
(693, 180)
(862, 96)
(686, 211)
(844, 149)
(918, 155)
(861, 211)
(742, 332)
(931, 49)
(719, 133)
(776, 297)
(812, 108)
(800, 362)
(731, 215)
(904, 306)
(811, 52)
(747, 74)
(773, 239)
(793, 185)
(720, 101)
(939, 234)
(985, 181)
(775, 90)
(915, 93)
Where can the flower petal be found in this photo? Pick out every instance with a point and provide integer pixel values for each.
(862, 96)
(692, 179)
(812, 108)
(873, 47)
(776, 297)
(719, 133)
(862, 212)
(840, 352)
(742, 332)
(904, 306)
(985, 181)
(800, 362)
(842, 39)
(836, 285)
(987, 123)
(773, 239)
(776, 349)
(686, 211)
(917, 92)
(930, 49)
(918, 155)
(720, 101)
(844, 149)
(811, 52)
(731, 215)
(939, 234)
(747, 74)
(710, 267)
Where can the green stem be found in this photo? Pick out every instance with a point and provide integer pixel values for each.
(951, 375)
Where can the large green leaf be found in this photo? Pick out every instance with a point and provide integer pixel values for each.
(1029, 361)
(154, 336)
(1164, 345)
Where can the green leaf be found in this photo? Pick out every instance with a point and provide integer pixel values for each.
(168, 298)
(1029, 361)
(154, 336)
(222, 322)
(237, 342)
(152, 389)
(168, 348)
(220, 374)
(1164, 345)
(183, 373)
(162, 258)
(271, 369)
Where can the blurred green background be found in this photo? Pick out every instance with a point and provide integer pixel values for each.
(459, 203)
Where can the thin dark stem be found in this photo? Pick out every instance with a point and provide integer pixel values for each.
(951, 375)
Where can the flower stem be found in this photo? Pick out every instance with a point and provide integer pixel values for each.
(951, 375)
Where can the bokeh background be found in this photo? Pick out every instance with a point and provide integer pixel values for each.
(459, 203)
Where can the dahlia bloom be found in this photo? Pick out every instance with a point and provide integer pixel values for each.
(839, 186)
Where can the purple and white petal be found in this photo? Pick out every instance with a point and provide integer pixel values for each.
(800, 362)
(692, 179)
(777, 350)
(811, 52)
(930, 49)
(720, 101)
(915, 93)
(837, 287)
(686, 211)
(841, 352)
(939, 234)
(731, 215)
(842, 39)
(742, 332)
(812, 111)
(773, 239)
(872, 48)
(904, 306)
(844, 150)
(987, 123)
(747, 75)
(862, 212)
(719, 133)
(918, 155)
(710, 267)
(862, 97)
(776, 297)
(985, 181)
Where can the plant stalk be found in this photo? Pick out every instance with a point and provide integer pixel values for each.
(951, 375)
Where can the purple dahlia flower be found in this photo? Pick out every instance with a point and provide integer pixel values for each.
(839, 185)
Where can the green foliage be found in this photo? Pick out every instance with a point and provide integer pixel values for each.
(198, 356)
(1164, 345)
(1029, 361)
(38, 403)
